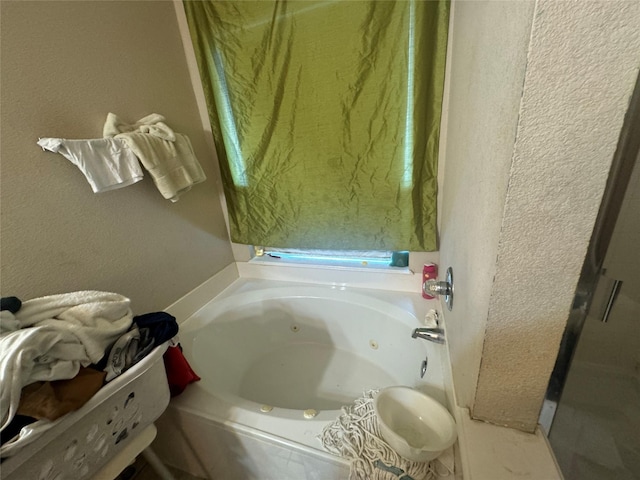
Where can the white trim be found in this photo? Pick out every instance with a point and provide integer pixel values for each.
(196, 84)
(379, 280)
(444, 119)
(193, 301)
(192, 64)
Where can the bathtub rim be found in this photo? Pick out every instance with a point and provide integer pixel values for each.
(332, 292)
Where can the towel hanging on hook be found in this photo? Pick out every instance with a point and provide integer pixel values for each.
(152, 124)
(167, 156)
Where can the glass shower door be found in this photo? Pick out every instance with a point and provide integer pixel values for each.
(595, 433)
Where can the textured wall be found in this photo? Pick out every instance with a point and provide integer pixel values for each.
(64, 66)
(488, 46)
(582, 65)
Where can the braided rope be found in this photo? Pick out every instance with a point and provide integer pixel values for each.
(355, 435)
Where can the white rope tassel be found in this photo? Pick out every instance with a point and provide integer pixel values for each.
(355, 435)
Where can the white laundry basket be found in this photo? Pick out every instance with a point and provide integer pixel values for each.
(85, 440)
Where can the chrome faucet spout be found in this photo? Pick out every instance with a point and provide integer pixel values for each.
(435, 335)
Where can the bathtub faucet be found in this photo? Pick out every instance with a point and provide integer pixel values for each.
(435, 335)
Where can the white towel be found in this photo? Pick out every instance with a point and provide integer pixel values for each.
(59, 334)
(107, 163)
(36, 354)
(8, 322)
(97, 319)
(152, 124)
(172, 165)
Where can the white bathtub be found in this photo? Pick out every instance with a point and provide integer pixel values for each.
(270, 351)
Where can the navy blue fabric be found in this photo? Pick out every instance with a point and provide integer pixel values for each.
(12, 304)
(161, 325)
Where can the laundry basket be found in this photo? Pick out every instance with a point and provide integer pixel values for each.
(85, 440)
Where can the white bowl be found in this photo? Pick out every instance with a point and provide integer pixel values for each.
(415, 425)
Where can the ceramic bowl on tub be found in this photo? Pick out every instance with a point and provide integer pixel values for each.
(415, 425)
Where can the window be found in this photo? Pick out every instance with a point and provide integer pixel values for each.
(326, 118)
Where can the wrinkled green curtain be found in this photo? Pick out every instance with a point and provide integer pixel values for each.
(326, 118)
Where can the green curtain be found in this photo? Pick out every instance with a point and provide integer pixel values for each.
(326, 118)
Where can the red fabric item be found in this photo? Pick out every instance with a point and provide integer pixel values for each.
(179, 372)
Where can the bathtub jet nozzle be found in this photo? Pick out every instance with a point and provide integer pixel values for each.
(435, 335)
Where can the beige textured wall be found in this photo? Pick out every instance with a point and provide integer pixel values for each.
(488, 46)
(581, 66)
(64, 66)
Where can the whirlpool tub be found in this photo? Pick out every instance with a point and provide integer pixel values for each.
(277, 361)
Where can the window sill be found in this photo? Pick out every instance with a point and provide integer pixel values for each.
(344, 265)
